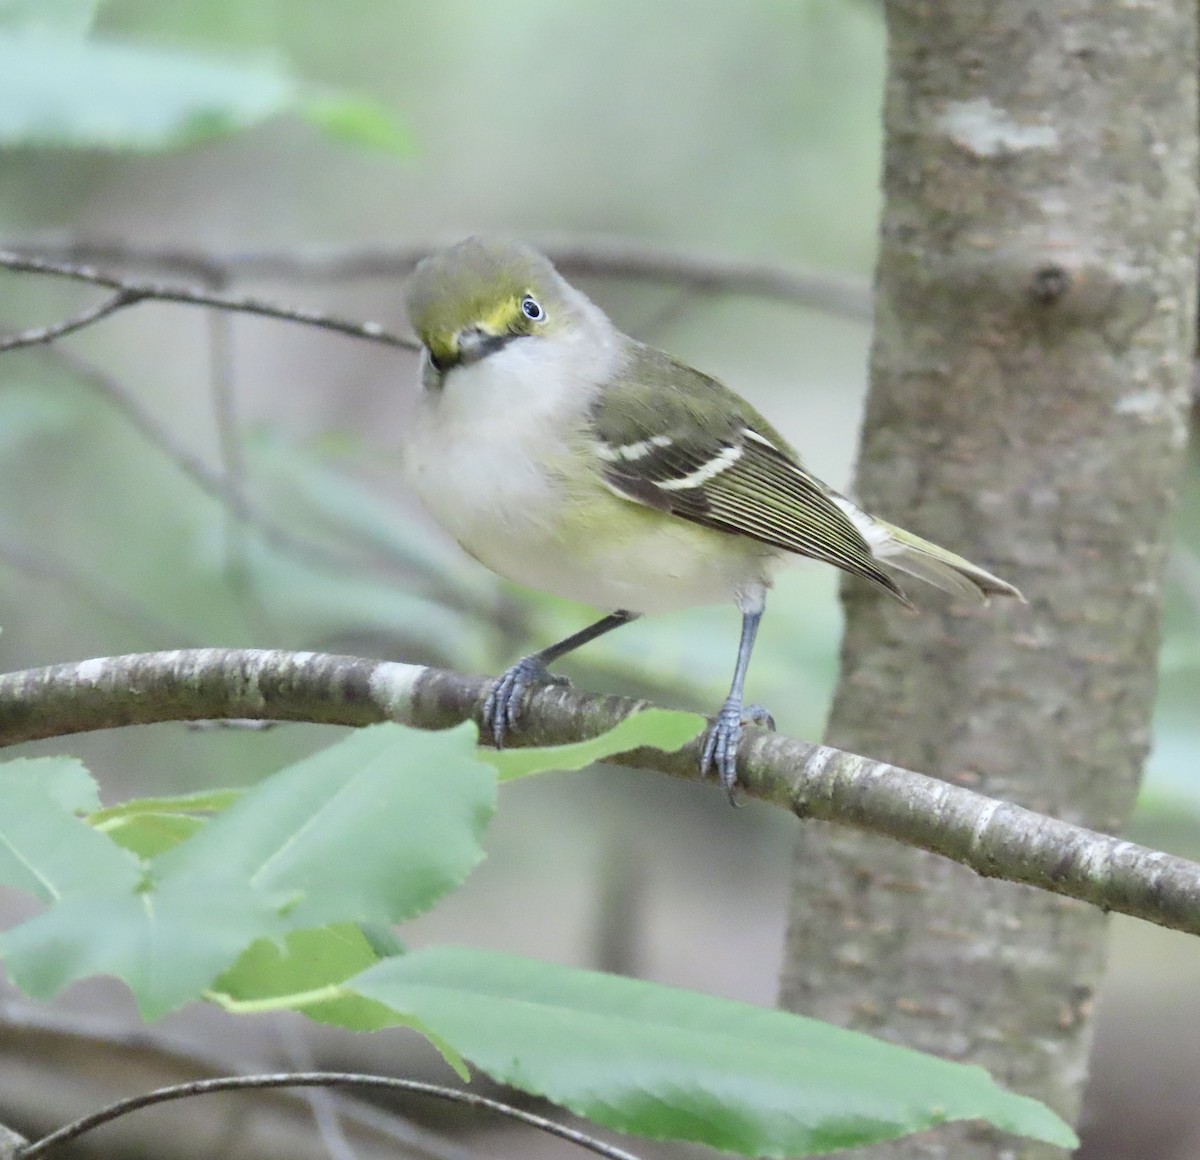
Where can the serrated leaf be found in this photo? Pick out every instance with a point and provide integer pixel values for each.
(375, 828)
(45, 850)
(672, 1064)
(168, 943)
(654, 728)
(65, 780)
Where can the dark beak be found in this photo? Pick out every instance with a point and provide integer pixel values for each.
(475, 344)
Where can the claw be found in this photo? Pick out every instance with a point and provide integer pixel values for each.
(721, 744)
(502, 706)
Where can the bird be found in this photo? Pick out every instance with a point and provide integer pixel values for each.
(570, 458)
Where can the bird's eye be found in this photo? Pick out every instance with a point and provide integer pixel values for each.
(533, 309)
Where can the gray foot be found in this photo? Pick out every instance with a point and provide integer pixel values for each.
(502, 706)
(721, 744)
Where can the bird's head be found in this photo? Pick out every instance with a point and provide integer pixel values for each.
(475, 298)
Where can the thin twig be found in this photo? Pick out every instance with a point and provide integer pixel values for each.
(40, 335)
(182, 1091)
(238, 570)
(994, 838)
(601, 258)
(224, 405)
(170, 1050)
(131, 292)
(835, 294)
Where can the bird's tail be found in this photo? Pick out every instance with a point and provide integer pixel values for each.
(905, 552)
(943, 569)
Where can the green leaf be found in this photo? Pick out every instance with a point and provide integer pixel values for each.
(358, 122)
(151, 826)
(654, 728)
(45, 850)
(205, 801)
(671, 1064)
(382, 939)
(308, 960)
(148, 835)
(60, 91)
(71, 17)
(65, 780)
(375, 828)
(168, 943)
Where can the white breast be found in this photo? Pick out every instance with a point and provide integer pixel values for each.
(485, 451)
(486, 456)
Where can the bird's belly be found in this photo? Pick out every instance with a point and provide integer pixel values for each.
(655, 568)
(524, 522)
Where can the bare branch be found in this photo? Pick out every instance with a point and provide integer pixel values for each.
(996, 839)
(231, 1083)
(224, 404)
(159, 1050)
(602, 258)
(130, 292)
(222, 390)
(40, 335)
(834, 294)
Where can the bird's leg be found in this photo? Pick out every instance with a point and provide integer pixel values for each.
(502, 706)
(721, 744)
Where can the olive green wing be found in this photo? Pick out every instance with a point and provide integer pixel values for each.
(676, 440)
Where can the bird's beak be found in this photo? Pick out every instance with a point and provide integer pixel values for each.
(474, 343)
(464, 347)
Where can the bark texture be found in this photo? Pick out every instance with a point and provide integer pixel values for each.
(248, 687)
(1030, 381)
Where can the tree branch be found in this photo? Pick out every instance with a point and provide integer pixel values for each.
(603, 258)
(232, 1083)
(129, 292)
(37, 1035)
(996, 839)
(40, 335)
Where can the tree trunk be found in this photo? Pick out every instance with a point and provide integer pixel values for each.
(1030, 381)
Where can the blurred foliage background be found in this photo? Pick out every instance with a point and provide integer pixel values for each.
(748, 130)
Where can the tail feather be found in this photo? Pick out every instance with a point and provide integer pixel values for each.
(951, 573)
(905, 552)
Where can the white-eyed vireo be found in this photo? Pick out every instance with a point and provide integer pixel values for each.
(564, 455)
